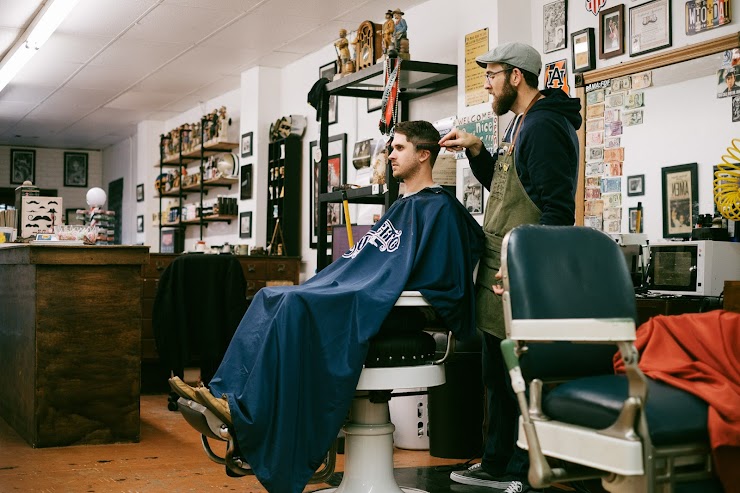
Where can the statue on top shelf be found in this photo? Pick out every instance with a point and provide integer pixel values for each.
(186, 145)
(345, 63)
(399, 30)
(388, 27)
(223, 123)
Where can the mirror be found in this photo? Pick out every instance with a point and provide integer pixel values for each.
(676, 119)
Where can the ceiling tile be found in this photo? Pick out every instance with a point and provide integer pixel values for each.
(140, 57)
(13, 110)
(18, 14)
(113, 79)
(25, 93)
(235, 5)
(70, 48)
(278, 59)
(103, 17)
(137, 100)
(51, 71)
(8, 36)
(254, 32)
(316, 39)
(167, 81)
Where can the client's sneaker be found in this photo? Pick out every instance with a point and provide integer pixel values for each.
(184, 390)
(219, 407)
(476, 476)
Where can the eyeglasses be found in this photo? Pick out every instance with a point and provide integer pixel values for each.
(492, 75)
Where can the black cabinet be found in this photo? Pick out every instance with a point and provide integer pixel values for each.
(284, 197)
(416, 79)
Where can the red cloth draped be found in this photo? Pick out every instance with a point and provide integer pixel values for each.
(700, 353)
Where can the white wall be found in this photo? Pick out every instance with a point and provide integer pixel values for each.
(123, 165)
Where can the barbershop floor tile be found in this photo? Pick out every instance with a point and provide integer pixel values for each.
(169, 458)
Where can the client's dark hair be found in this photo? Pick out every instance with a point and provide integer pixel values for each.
(422, 134)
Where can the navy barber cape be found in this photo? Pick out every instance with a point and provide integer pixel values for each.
(293, 364)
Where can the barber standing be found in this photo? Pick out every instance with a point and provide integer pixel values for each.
(532, 180)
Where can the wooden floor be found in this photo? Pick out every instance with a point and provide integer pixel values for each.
(168, 458)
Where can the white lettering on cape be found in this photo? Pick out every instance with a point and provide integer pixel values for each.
(386, 238)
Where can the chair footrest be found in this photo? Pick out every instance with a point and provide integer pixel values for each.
(582, 446)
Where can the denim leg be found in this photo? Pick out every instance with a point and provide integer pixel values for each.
(500, 454)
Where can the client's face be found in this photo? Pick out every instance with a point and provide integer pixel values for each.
(403, 158)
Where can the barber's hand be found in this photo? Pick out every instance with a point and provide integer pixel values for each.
(498, 288)
(459, 139)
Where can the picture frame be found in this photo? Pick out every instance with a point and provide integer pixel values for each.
(22, 166)
(582, 50)
(140, 224)
(635, 185)
(245, 224)
(374, 104)
(337, 161)
(328, 71)
(632, 226)
(70, 216)
(611, 32)
(472, 193)
(555, 26)
(245, 182)
(75, 169)
(680, 196)
(140, 192)
(246, 144)
(650, 27)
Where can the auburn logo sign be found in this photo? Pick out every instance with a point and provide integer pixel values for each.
(594, 6)
(556, 76)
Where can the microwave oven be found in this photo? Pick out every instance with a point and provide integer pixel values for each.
(692, 268)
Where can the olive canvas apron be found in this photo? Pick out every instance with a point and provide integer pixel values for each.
(508, 206)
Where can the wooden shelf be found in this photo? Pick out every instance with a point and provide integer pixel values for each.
(194, 153)
(216, 218)
(216, 182)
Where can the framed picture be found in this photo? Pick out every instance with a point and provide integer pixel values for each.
(337, 162)
(245, 224)
(611, 32)
(246, 144)
(650, 27)
(582, 50)
(472, 192)
(680, 200)
(22, 166)
(633, 226)
(328, 71)
(245, 182)
(555, 18)
(139, 224)
(140, 192)
(70, 216)
(635, 185)
(374, 104)
(75, 169)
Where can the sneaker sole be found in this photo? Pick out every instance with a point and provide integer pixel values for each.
(488, 483)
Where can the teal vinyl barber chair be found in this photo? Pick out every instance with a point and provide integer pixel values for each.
(569, 305)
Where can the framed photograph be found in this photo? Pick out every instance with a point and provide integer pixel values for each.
(472, 192)
(374, 104)
(337, 162)
(140, 192)
(650, 27)
(635, 185)
(680, 200)
(245, 224)
(70, 216)
(246, 144)
(328, 71)
(22, 166)
(555, 18)
(582, 50)
(633, 226)
(75, 169)
(140, 224)
(245, 182)
(611, 32)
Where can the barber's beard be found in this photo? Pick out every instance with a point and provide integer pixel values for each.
(502, 103)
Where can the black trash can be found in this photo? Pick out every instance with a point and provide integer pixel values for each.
(456, 408)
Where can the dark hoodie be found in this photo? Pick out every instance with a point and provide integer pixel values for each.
(546, 156)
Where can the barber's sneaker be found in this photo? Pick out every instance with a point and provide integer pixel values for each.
(476, 476)
(219, 407)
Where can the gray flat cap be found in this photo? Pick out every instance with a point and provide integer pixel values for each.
(519, 55)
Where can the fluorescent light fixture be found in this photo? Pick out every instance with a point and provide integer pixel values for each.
(44, 24)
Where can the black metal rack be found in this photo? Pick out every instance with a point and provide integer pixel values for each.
(417, 79)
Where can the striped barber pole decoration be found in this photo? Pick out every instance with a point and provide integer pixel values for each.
(594, 6)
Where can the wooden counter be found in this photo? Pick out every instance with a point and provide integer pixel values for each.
(70, 342)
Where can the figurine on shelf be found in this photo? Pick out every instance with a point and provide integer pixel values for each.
(186, 137)
(399, 31)
(388, 27)
(345, 62)
(223, 123)
(195, 137)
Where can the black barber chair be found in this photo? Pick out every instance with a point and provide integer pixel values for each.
(199, 303)
(569, 303)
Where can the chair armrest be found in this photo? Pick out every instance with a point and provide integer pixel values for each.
(573, 329)
(449, 350)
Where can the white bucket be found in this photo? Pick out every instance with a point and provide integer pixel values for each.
(410, 415)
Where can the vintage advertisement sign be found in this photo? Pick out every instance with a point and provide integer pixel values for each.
(476, 44)
(482, 125)
(702, 15)
(594, 6)
(556, 76)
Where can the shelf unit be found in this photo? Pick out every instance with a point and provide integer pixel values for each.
(416, 79)
(284, 194)
(198, 153)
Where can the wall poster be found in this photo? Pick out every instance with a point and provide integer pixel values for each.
(476, 44)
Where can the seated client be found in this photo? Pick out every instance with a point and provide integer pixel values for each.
(286, 382)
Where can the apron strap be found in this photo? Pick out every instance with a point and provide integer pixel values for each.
(536, 98)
